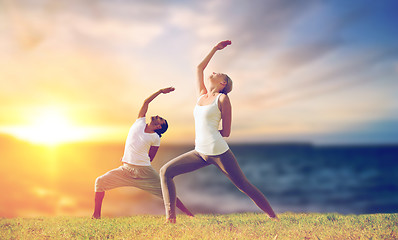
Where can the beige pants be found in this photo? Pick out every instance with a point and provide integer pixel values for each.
(192, 161)
(127, 175)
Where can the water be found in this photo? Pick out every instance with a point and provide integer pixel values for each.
(302, 178)
(39, 181)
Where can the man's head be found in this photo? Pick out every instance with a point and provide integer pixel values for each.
(160, 125)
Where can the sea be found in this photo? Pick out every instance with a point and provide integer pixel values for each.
(294, 177)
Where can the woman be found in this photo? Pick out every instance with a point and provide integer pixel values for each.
(210, 147)
(141, 146)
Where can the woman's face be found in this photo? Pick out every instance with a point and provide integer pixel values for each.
(217, 78)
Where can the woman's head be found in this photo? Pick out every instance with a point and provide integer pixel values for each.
(222, 82)
(228, 85)
(160, 125)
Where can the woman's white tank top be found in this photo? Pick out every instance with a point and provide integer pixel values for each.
(208, 139)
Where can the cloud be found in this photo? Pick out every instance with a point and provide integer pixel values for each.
(261, 24)
(201, 24)
(113, 31)
(312, 58)
(134, 23)
(25, 26)
(332, 76)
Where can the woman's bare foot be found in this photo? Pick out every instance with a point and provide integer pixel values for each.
(171, 220)
(275, 218)
(190, 215)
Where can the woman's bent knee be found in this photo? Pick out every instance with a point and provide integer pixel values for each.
(165, 172)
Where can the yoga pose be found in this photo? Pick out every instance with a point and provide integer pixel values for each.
(210, 146)
(142, 144)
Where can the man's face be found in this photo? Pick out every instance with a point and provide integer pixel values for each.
(157, 121)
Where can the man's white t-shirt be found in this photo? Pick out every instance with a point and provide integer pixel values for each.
(138, 144)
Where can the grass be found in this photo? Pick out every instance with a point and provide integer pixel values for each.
(234, 226)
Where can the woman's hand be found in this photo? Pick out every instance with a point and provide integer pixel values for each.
(167, 90)
(223, 44)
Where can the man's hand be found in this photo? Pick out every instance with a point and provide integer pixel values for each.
(223, 44)
(167, 90)
(144, 107)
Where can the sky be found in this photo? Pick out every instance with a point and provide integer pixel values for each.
(319, 71)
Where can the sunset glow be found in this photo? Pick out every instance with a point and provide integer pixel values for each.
(49, 127)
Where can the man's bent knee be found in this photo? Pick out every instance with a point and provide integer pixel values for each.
(99, 185)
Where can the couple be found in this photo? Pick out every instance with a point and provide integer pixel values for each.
(210, 148)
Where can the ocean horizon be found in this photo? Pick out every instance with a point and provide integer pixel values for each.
(294, 176)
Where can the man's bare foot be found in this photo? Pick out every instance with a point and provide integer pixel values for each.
(171, 220)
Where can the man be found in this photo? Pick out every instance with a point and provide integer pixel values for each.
(141, 146)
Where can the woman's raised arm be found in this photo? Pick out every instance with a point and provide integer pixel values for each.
(201, 67)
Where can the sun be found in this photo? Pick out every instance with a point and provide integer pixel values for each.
(49, 127)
